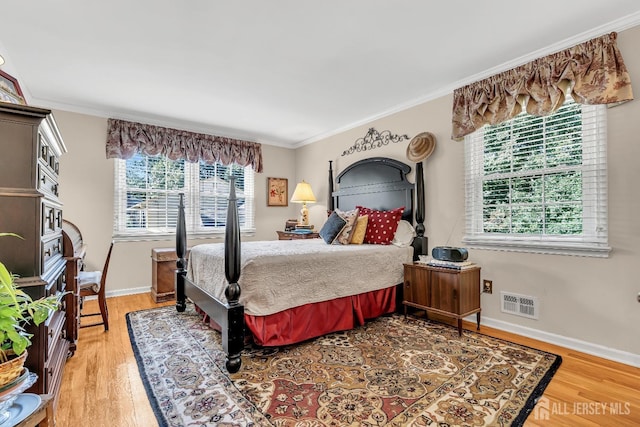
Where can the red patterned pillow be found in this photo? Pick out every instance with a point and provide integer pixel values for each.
(382, 225)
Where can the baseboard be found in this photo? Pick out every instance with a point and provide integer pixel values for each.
(130, 291)
(572, 343)
(122, 292)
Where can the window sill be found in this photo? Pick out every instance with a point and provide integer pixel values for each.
(539, 247)
(149, 237)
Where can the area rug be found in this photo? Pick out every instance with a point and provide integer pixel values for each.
(390, 372)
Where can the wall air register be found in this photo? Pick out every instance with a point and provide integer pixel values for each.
(520, 305)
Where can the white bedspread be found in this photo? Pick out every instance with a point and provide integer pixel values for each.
(281, 274)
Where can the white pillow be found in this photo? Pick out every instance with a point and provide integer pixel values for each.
(404, 234)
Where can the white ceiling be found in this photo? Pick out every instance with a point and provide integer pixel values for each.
(281, 72)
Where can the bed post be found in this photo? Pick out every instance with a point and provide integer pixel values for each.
(233, 336)
(420, 242)
(330, 202)
(181, 247)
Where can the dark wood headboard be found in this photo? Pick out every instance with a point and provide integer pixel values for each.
(381, 183)
(378, 183)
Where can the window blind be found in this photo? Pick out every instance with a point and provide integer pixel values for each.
(147, 191)
(539, 183)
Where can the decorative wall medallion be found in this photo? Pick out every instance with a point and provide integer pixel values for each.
(374, 139)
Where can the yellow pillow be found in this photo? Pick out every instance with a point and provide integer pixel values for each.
(357, 237)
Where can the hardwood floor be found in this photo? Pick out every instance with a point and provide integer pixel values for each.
(101, 386)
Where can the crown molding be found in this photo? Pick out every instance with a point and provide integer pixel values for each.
(622, 24)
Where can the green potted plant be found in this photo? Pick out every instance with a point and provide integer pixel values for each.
(17, 309)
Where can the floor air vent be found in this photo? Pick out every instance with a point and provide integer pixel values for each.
(520, 305)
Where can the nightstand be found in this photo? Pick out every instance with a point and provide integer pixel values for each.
(288, 235)
(163, 273)
(445, 291)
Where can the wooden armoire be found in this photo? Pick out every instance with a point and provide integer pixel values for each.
(30, 148)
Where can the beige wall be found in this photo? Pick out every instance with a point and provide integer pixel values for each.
(586, 299)
(86, 189)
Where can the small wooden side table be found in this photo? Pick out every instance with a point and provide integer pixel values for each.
(445, 291)
(163, 273)
(288, 235)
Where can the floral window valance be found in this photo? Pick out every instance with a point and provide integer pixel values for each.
(125, 139)
(592, 72)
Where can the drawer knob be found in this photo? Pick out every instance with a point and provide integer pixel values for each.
(51, 219)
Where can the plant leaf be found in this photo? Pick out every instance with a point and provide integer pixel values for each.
(5, 277)
(20, 345)
(40, 315)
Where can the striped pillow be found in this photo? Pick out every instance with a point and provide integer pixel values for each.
(350, 217)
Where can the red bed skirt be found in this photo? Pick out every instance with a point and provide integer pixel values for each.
(317, 319)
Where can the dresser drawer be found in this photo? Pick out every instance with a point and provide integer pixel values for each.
(47, 156)
(55, 331)
(54, 367)
(51, 252)
(43, 149)
(51, 219)
(47, 181)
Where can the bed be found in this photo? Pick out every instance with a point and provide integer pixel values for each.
(281, 292)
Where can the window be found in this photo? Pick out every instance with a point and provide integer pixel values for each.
(147, 191)
(539, 184)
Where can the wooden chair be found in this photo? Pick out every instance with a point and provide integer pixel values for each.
(92, 283)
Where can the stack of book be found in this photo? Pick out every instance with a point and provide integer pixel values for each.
(290, 224)
(456, 265)
(302, 231)
(304, 227)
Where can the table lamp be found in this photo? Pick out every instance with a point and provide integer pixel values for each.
(303, 194)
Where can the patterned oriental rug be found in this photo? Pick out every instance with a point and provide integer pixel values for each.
(390, 372)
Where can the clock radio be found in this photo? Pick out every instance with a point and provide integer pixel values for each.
(449, 253)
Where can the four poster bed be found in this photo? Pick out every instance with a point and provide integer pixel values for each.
(291, 291)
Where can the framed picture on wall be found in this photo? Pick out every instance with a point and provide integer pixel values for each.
(11, 98)
(10, 84)
(277, 192)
